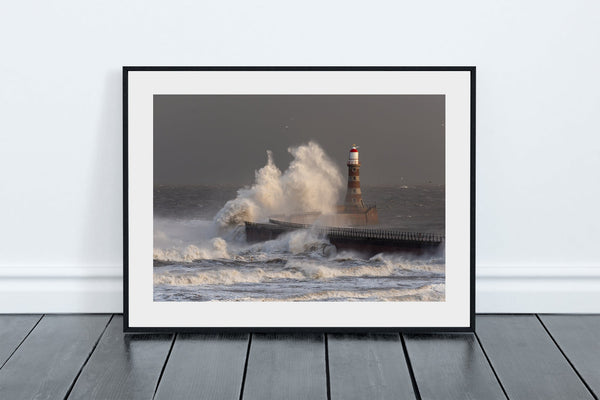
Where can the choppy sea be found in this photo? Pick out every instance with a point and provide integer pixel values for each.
(198, 259)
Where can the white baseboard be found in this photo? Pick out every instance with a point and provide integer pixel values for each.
(499, 290)
(61, 290)
(538, 290)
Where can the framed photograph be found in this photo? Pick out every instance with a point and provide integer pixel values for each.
(324, 199)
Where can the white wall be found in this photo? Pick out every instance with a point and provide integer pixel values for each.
(538, 142)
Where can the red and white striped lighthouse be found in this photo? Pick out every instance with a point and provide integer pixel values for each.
(353, 193)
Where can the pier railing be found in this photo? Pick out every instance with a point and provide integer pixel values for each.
(387, 234)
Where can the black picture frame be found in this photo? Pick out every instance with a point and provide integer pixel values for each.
(130, 328)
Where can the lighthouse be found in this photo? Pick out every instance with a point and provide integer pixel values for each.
(353, 193)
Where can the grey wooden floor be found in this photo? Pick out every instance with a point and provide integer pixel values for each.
(510, 356)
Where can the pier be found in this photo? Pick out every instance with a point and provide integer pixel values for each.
(365, 240)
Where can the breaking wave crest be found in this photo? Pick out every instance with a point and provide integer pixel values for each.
(295, 242)
(298, 270)
(312, 182)
(216, 248)
(186, 241)
(435, 263)
(226, 276)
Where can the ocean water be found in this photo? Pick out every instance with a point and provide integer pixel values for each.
(200, 252)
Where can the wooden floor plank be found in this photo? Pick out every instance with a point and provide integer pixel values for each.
(526, 360)
(46, 364)
(578, 336)
(451, 366)
(286, 366)
(123, 366)
(205, 367)
(13, 329)
(368, 366)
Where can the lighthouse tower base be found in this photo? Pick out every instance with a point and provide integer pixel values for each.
(356, 216)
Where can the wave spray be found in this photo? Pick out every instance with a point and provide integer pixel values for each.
(312, 182)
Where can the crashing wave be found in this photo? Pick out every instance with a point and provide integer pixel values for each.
(312, 182)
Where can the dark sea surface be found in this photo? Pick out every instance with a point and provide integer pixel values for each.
(196, 259)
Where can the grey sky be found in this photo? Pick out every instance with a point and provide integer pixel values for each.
(223, 139)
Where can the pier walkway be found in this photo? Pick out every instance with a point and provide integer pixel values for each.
(368, 240)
